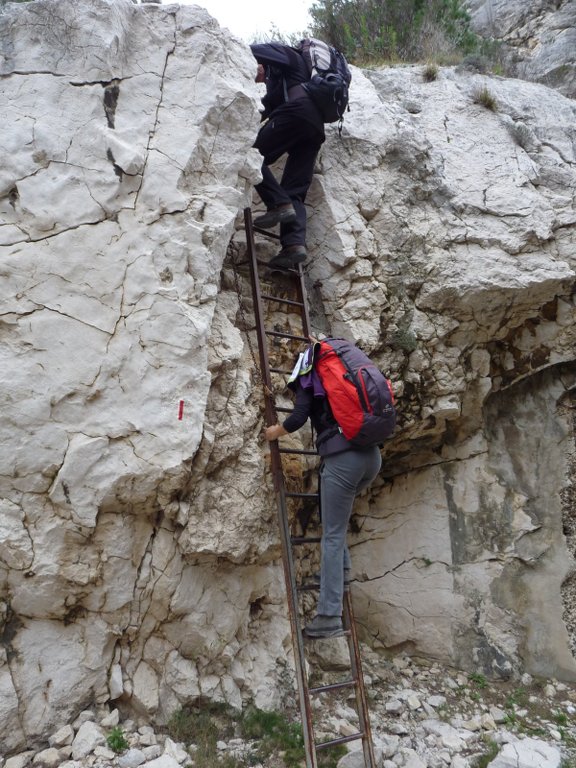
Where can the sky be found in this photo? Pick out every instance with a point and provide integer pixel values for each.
(247, 18)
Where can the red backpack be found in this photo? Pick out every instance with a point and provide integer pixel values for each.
(359, 395)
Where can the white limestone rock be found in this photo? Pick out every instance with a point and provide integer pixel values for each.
(175, 750)
(89, 736)
(62, 737)
(16, 550)
(411, 759)
(394, 707)
(151, 753)
(110, 720)
(21, 760)
(540, 37)
(141, 550)
(355, 758)
(165, 761)
(528, 753)
(132, 758)
(459, 762)
(123, 201)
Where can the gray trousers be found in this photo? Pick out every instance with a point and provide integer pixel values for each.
(342, 477)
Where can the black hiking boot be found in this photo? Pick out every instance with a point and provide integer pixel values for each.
(283, 214)
(324, 626)
(289, 257)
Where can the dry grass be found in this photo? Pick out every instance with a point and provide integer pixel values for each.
(485, 98)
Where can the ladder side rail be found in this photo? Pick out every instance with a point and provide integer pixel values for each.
(260, 332)
(302, 300)
(285, 536)
(360, 690)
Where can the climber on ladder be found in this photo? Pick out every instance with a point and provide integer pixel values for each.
(345, 471)
(293, 126)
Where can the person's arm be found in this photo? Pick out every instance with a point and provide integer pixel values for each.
(274, 432)
(297, 419)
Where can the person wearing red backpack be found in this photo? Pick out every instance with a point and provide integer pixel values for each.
(345, 471)
(293, 126)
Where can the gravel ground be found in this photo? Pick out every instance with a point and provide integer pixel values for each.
(422, 716)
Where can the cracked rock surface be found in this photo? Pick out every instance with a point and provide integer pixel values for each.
(537, 38)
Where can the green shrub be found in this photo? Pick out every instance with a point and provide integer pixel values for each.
(204, 725)
(276, 737)
(388, 30)
(519, 697)
(116, 740)
(478, 679)
(560, 718)
(483, 761)
(275, 733)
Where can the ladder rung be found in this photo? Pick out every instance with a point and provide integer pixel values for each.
(284, 410)
(288, 271)
(310, 587)
(298, 452)
(281, 335)
(344, 633)
(302, 495)
(280, 370)
(334, 686)
(305, 540)
(266, 233)
(341, 740)
(289, 302)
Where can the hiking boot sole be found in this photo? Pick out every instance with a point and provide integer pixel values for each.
(272, 218)
(288, 260)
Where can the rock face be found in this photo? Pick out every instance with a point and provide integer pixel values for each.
(468, 238)
(126, 160)
(538, 38)
(138, 540)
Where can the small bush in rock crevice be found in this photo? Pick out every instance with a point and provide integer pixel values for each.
(485, 98)
(430, 72)
(492, 749)
(116, 740)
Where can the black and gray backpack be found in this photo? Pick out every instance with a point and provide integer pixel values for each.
(330, 78)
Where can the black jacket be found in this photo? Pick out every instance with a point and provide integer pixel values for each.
(285, 68)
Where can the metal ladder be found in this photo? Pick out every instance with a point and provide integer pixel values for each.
(289, 541)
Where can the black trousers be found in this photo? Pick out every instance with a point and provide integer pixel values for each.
(287, 133)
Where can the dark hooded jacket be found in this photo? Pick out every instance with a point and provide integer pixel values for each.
(285, 71)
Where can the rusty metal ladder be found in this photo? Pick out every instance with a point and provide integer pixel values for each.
(288, 540)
